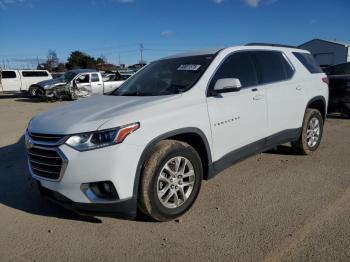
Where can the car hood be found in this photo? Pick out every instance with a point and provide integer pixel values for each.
(50, 83)
(91, 113)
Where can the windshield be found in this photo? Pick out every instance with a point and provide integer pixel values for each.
(166, 77)
(67, 77)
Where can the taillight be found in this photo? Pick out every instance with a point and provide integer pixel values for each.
(325, 80)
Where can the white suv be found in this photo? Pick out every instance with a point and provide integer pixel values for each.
(179, 120)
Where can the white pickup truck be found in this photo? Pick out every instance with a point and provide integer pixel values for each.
(21, 80)
(75, 84)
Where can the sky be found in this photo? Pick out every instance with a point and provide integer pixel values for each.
(117, 28)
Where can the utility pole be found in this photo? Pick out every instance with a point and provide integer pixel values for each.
(141, 53)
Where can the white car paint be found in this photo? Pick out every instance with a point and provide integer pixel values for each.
(95, 85)
(228, 122)
(20, 81)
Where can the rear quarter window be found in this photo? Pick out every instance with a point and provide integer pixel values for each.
(8, 74)
(308, 62)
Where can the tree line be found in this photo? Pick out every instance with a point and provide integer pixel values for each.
(76, 59)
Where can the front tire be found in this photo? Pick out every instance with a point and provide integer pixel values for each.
(33, 91)
(311, 133)
(171, 180)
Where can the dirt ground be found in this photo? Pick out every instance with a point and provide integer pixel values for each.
(275, 206)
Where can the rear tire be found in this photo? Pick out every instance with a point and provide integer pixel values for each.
(171, 180)
(347, 109)
(311, 133)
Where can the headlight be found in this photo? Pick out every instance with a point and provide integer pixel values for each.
(103, 138)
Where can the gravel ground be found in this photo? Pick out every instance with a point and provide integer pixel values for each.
(275, 206)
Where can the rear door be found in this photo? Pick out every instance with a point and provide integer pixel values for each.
(237, 118)
(285, 97)
(96, 84)
(10, 80)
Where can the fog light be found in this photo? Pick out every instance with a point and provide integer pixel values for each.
(100, 191)
(106, 188)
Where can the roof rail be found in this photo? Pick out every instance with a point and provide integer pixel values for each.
(276, 45)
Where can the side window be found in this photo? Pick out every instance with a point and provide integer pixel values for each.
(309, 62)
(83, 79)
(34, 73)
(288, 69)
(95, 78)
(273, 66)
(239, 65)
(8, 74)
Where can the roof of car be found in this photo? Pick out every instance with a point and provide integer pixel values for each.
(211, 51)
(79, 71)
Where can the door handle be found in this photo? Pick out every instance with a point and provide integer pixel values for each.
(258, 97)
(299, 88)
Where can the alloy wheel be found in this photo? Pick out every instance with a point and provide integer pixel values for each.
(313, 132)
(175, 182)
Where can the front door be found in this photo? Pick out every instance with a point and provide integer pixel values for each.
(83, 85)
(238, 119)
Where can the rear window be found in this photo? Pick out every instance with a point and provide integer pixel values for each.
(34, 73)
(273, 66)
(8, 74)
(309, 62)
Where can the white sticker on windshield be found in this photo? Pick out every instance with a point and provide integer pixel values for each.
(189, 67)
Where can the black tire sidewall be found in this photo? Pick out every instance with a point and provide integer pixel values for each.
(192, 156)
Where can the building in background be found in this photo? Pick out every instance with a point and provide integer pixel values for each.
(328, 53)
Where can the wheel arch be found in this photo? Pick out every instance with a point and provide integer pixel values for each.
(319, 103)
(191, 135)
(32, 86)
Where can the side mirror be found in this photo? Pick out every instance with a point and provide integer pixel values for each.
(225, 85)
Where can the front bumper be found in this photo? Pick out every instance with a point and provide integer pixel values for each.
(126, 208)
(117, 164)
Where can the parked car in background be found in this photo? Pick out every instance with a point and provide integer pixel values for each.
(76, 84)
(179, 120)
(126, 75)
(22, 80)
(339, 88)
(113, 76)
(57, 74)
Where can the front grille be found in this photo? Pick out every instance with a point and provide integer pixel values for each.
(45, 162)
(46, 139)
